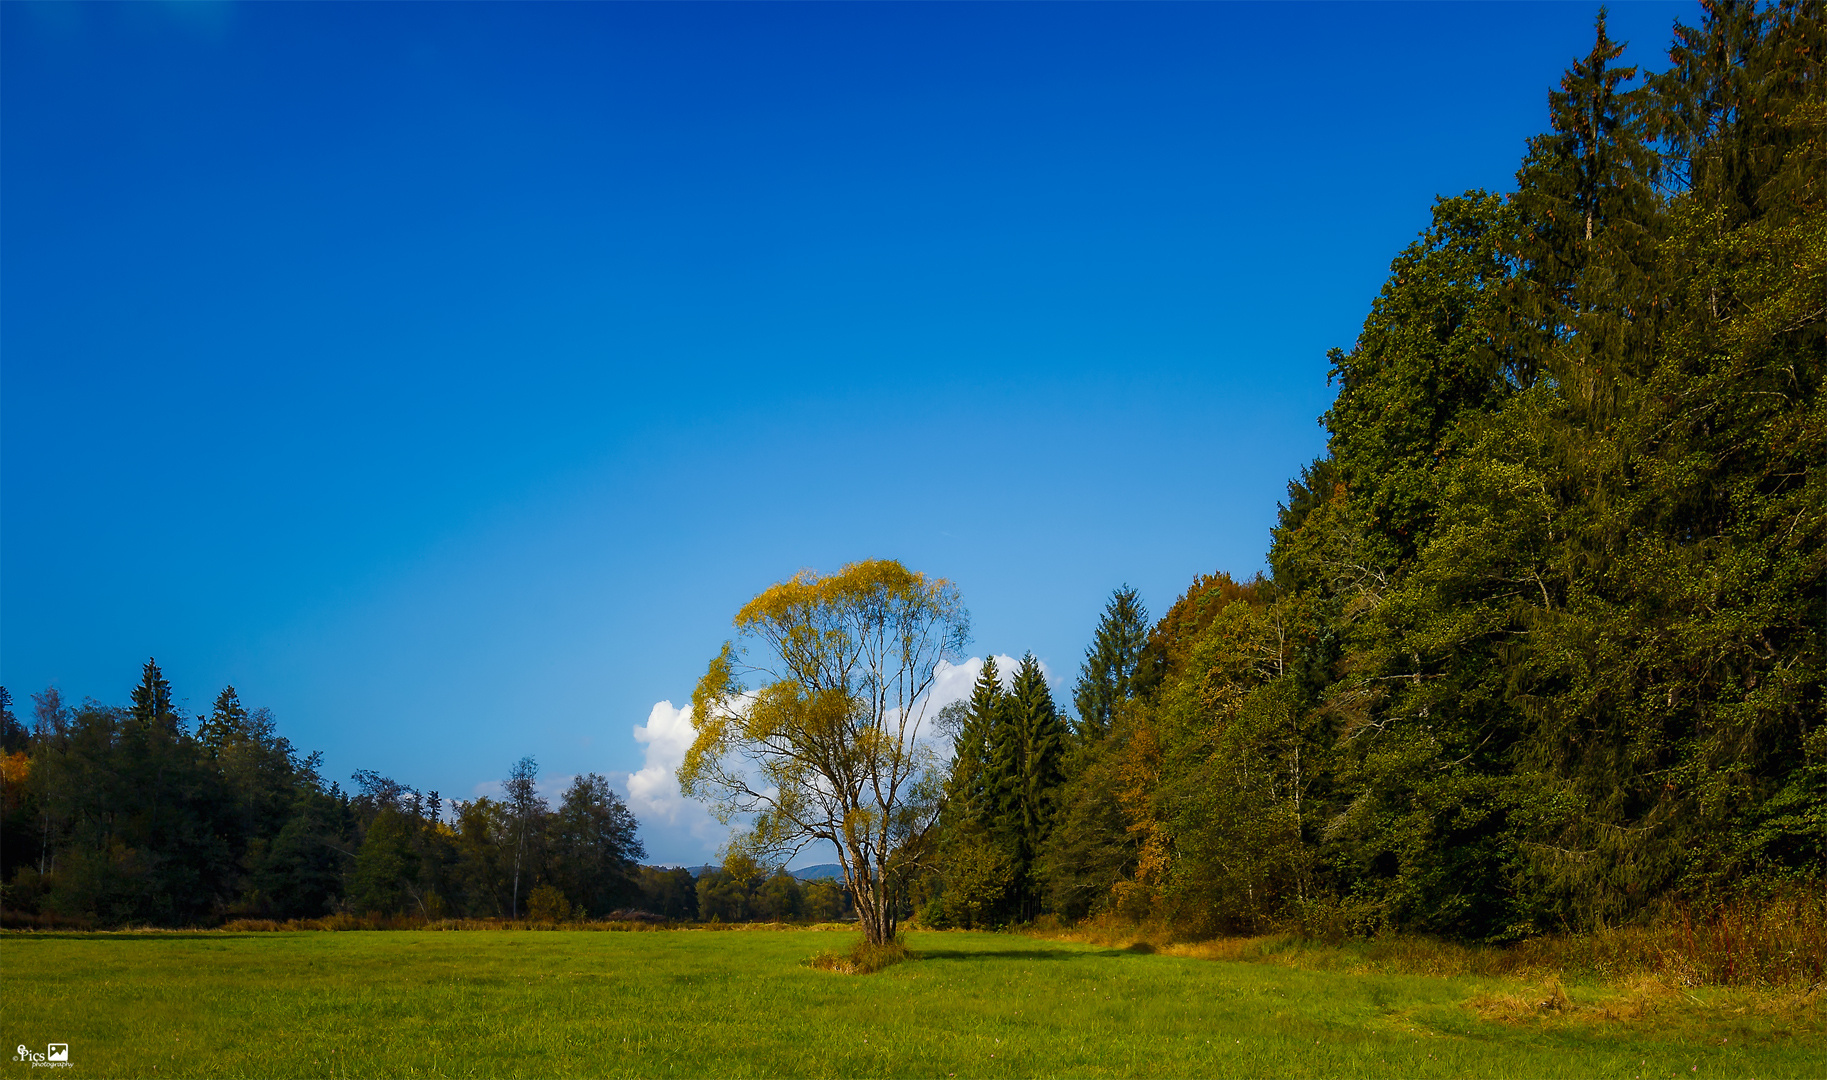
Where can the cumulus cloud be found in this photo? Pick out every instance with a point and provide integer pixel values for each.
(654, 789)
(953, 682)
(675, 828)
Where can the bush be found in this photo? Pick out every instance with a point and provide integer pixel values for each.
(547, 904)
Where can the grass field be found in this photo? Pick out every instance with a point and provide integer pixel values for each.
(699, 1003)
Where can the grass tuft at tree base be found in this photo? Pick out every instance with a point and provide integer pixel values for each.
(862, 958)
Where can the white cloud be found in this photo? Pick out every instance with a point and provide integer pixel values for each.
(675, 828)
(953, 682)
(668, 733)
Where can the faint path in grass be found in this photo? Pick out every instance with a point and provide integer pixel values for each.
(694, 1004)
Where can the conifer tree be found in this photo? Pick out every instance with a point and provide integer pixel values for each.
(1108, 674)
(1027, 749)
(13, 735)
(1043, 739)
(972, 790)
(1043, 746)
(974, 866)
(152, 709)
(226, 722)
(1584, 304)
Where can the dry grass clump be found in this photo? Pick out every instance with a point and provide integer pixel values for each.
(1525, 1004)
(862, 959)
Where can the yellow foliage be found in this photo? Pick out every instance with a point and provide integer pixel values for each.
(1139, 776)
(824, 742)
(14, 769)
(547, 904)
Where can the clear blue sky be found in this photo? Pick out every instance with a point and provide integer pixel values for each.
(445, 377)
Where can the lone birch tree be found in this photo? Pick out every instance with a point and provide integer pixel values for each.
(825, 745)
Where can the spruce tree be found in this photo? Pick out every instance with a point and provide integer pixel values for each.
(226, 723)
(974, 862)
(1042, 739)
(152, 709)
(1108, 674)
(969, 791)
(1586, 299)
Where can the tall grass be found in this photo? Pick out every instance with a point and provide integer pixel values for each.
(345, 922)
(1777, 943)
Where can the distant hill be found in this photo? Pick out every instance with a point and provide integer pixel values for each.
(822, 870)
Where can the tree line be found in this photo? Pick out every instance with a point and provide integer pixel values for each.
(1541, 643)
(116, 816)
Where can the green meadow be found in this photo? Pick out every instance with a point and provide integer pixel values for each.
(742, 1003)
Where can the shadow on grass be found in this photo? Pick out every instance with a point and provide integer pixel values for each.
(1016, 954)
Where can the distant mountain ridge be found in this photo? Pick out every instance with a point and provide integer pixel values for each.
(819, 872)
(831, 870)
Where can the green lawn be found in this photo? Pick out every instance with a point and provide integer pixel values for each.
(696, 1003)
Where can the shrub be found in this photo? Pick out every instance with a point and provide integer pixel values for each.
(547, 904)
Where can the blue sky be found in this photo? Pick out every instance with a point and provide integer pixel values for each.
(445, 377)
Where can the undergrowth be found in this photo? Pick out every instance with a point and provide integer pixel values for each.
(1778, 944)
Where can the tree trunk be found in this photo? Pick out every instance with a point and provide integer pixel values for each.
(869, 888)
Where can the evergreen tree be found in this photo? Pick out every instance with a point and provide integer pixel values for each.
(13, 735)
(1038, 735)
(227, 722)
(1677, 682)
(1585, 302)
(263, 776)
(974, 869)
(971, 793)
(152, 709)
(1106, 678)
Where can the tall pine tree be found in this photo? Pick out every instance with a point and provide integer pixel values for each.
(1027, 767)
(1107, 676)
(975, 864)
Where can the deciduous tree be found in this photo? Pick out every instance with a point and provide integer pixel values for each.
(826, 745)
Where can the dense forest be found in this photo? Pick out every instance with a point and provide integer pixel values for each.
(1541, 643)
(115, 816)
(137, 816)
